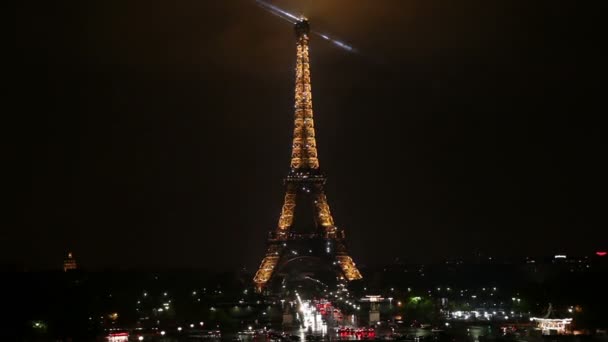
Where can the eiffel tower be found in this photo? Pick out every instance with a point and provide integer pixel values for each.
(304, 185)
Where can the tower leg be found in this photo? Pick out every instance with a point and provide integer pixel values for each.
(262, 276)
(348, 267)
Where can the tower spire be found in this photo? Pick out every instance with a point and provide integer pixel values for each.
(304, 149)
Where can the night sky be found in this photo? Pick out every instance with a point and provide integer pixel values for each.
(157, 133)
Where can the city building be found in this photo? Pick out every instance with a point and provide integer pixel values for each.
(69, 263)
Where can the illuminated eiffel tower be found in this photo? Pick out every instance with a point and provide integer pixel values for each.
(305, 185)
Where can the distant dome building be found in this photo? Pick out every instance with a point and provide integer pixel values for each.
(69, 263)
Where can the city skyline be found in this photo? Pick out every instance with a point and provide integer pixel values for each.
(160, 140)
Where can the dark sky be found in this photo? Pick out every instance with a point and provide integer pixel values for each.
(157, 133)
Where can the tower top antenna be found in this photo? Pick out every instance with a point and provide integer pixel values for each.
(302, 27)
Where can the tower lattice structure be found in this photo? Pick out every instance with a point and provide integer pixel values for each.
(305, 181)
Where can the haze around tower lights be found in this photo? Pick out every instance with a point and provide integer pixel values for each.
(156, 134)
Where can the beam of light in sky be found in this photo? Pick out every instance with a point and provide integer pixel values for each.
(335, 42)
(277, 11)
(293, 19)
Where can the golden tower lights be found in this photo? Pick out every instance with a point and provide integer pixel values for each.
(304, 179)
